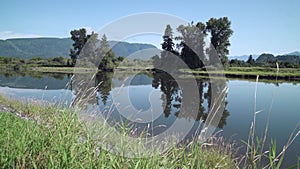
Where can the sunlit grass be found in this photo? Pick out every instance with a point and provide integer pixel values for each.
(50, 137)
(251, 72)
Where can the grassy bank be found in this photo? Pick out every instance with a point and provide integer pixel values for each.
(33, 136)
(251, 72)
(68, 70)
(62, 69)
(44, 69)
(58, 65)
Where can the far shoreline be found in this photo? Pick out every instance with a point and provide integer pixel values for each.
(286, 74)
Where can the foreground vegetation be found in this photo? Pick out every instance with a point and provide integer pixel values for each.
(48, 137)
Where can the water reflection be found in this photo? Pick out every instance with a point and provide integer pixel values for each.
(174, 101)
(174, 96)
(105, 85)
(34, 80)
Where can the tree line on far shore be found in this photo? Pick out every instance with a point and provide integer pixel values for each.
(268, 60)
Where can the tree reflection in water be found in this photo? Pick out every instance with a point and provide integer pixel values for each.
(172, 99)
(174, 96)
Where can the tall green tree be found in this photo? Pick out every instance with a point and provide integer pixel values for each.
(220, 32)
(192, 44)
(88, 56)
(108, 57)
(250, 60)
(168, 45)
(79, 37)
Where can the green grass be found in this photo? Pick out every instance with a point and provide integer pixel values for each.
(42, 69)
(237, 72)
(63, 69)
(250, 72)
(261, 71)
(57, 138)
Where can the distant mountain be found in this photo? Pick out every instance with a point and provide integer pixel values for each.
(33, 47)
(296, 53)
(269, 58)
(242, 57)
(125, 49)
(264, 57)
(53, 47)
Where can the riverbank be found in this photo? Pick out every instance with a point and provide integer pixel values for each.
(33, 136)
(289, 74)
(232, 72)
(251, 73)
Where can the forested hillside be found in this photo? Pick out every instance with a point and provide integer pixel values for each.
(54, 47)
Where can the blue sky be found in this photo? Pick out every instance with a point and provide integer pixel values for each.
(259, 26)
